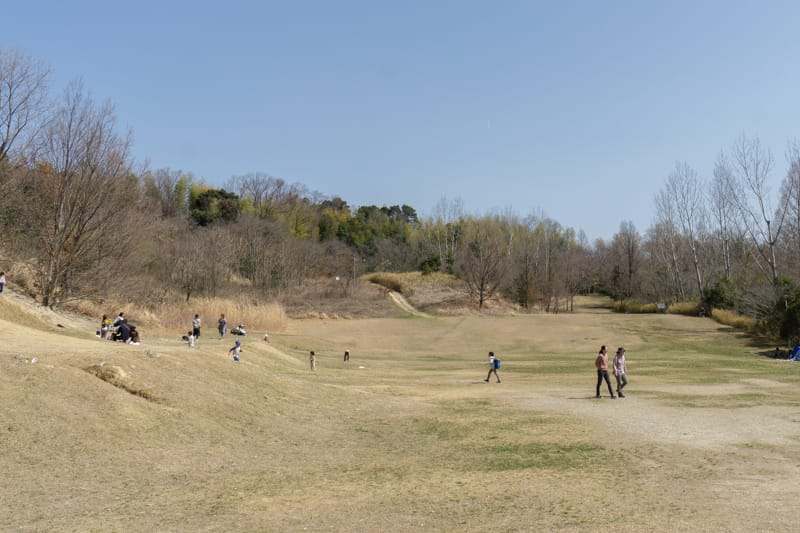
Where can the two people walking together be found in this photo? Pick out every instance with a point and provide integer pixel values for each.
(619, 368)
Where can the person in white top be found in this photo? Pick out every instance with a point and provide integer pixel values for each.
(620, 370)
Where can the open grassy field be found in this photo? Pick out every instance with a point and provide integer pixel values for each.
(97, 436)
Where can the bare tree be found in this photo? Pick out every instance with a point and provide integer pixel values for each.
(485, 260)
(77, 196)
(627, 245)
(791, 191)
(722, 209)
(169, 190)
(683, 189)
(751, 194)
(666, 235)
(443, 230)
(23, 98)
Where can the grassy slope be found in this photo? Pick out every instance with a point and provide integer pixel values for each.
(405, 437)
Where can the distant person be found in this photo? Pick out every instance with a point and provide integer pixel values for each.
(702, 312)
(2, 281)
(620, 370)
(105, 327)
(196, 326)
(312, 360)
(123, 332)
(266, 337)
(222, 326)
(494, 364)
(189, 339)
(239, 330)
(236, 350)
(134, 336)
(118, 320)
(795, 354)
(601, 363)
(347, 356)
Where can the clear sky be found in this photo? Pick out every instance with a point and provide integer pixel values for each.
(578, 109)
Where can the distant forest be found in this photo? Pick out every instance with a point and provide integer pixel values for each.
(88, 223)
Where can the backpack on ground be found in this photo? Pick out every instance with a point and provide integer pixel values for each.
(496, 363)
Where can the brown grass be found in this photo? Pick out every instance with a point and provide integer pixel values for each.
(406, 436)
(734, 319)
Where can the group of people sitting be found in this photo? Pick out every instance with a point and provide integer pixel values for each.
(118, 329)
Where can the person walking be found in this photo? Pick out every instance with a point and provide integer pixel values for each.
(196, 326)
(620, 370)
(494, 364)
(2, 281)
(346, 356)
(236, 350)
(312, 360)
(222, 326)
(601, 363)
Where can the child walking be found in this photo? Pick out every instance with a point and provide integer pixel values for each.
(312, 360)
(236, 350)
(494, 364)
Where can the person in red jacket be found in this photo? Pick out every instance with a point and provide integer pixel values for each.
(601, 363)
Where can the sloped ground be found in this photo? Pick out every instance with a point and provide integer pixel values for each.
(97, 436)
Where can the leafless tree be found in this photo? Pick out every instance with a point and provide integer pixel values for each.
(762, 217)
(791, 191)
(683, 189)
(23, 98)
(627, 246)
(722, 211)
(485, 260)
(668, 237)
(443, 230)
(169, 190)
(77, 196)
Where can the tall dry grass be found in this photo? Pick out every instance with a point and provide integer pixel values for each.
(734, 319)
(684, 308)
(259, 317)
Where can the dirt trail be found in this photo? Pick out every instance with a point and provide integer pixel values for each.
(403, 304)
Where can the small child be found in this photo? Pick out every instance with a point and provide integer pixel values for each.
(312, 359)
(236, 350)
(266, 338)
(189, 339)
(346, 356)
(105, 327)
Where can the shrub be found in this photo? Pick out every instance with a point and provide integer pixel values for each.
(722, 295)
(734, 319)
(387, 279)
(684, 308)
(632, 306)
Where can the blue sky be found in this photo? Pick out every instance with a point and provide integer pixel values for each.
(578, 109)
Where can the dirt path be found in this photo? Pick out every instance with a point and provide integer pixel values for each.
(403, 304)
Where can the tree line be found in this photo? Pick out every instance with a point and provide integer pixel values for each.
(89, 223)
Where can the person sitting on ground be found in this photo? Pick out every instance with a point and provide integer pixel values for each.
(795, 355)
(123, 332)
(239, 330)
(189, 339)
(134, 335)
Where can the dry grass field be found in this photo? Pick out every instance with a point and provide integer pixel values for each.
(97, 436)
